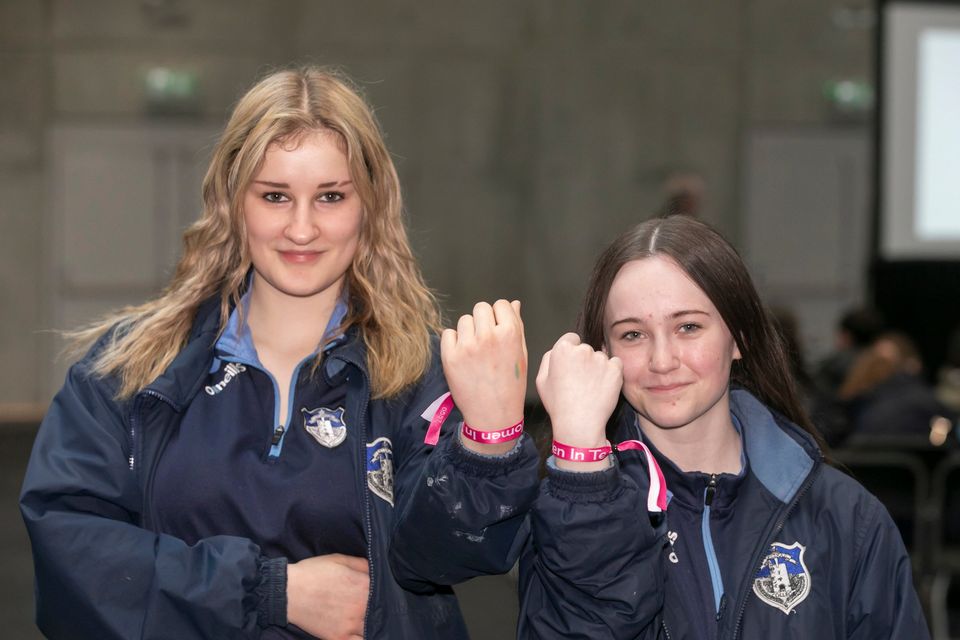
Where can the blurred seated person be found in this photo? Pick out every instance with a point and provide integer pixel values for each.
(948, 378)
(857, 329)
(823, 409)
(885, 394)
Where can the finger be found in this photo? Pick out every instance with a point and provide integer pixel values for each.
(448, 342)
(523, 334)
(504, 313)
(465, 328)
(617, 363)
(483, 318)
(568, 338)
(358, 564)
(544, 370)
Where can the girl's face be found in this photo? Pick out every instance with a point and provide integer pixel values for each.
(676, 349)
(303, 217)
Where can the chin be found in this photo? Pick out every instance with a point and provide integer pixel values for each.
(670, 422)
(667, 417)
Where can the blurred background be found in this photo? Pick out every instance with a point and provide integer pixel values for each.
(821, 137)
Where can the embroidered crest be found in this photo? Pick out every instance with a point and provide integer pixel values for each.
(380, 468)
(783, 580)
(325, 425)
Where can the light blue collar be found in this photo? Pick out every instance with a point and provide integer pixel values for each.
(777, 460)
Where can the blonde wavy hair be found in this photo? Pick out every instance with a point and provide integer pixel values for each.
(388, 300)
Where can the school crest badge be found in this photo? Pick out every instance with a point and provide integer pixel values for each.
(325, 425)
(783, 580)
(380, 468)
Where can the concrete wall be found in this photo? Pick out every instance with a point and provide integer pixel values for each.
(527, 134)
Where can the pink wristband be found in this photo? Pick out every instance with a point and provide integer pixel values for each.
(492, 437)
(656, 497)
(580, 454)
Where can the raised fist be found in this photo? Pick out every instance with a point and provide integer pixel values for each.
(485, 363)
(579, 388)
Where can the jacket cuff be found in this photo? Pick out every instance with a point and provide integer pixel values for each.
(272, 592)
(478, 464)
(594, 486)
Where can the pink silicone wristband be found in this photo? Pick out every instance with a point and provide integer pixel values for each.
(491, 437)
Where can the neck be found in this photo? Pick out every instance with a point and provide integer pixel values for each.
(288, 324)
(707, 446)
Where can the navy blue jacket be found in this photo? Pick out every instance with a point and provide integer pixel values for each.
(790, 549)
(102, 571)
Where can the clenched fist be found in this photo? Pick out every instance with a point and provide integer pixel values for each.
(485, 363)
(579, 388)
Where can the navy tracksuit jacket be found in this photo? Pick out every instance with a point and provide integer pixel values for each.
(791, 549)
(103, 571)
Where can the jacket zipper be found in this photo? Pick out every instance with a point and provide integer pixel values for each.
(663, 625)
(132, 432)
(280, 429)
(716, 580)
(758, 557)
(367, 517)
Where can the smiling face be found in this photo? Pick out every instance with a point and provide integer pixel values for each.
(676, 349)
(303, 217)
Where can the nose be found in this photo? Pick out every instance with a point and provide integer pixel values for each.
(302, 228)
(663, 357)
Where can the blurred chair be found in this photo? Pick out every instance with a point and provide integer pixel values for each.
(945, 547)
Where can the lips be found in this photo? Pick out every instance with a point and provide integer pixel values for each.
(667, 388)
(299, 257)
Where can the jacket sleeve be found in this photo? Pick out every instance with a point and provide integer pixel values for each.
(458, 513)
(593, 567)
(99, 574)
(882, 601)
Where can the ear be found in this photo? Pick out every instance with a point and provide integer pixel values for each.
(736, 351)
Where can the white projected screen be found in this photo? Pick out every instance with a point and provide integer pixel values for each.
(920, 211)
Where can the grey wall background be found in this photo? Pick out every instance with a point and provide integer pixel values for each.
(527, 133)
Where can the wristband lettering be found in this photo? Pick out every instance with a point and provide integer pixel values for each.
(444, 407)
(491, 437)
(656, 496)
(580, 454)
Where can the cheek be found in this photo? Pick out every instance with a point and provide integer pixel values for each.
(713, 363)
(257, 225)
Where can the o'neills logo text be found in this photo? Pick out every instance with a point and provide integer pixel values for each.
(229, 373)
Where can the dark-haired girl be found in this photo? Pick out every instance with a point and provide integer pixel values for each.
(715, 517)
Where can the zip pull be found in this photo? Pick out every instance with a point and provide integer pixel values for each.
(711, 490)
(277, 434)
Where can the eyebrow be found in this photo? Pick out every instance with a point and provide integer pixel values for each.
(672, 316)
(284, 185)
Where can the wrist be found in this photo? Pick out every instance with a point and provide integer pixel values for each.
(490, 441)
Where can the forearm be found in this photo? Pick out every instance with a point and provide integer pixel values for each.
(461, 518)
(593, 569)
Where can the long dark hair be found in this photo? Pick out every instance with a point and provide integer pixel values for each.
(716, 267)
